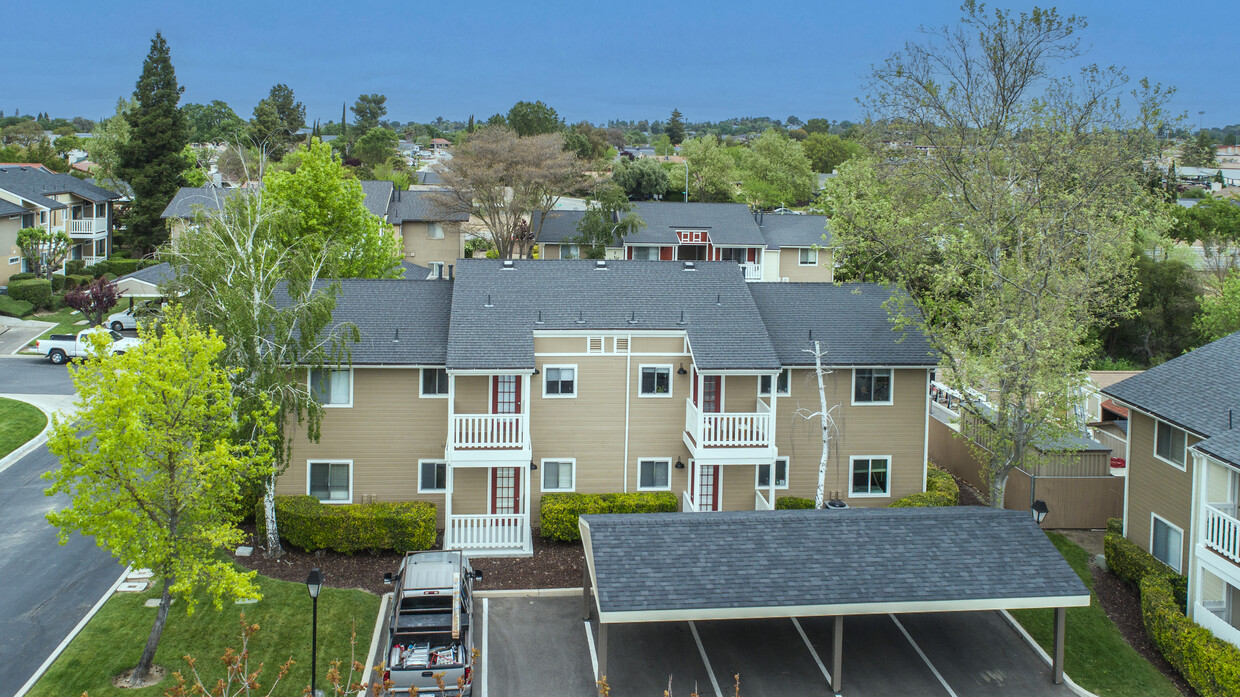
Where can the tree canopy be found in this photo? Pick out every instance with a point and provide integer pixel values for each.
(712, 172)
(277, 119)
(368, 111)
(376, 146)
(676, 128)
(609, 217)
(213, 123)
(827, 151)
(533, 118)
(775, 172)
(643, 178)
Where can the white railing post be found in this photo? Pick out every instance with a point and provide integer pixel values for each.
(1222, 533)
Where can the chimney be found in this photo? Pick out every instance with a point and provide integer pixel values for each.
(451, 274)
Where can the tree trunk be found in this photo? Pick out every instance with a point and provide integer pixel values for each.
(998, 484)
(152, 641)
(269, 515)
(820, 493)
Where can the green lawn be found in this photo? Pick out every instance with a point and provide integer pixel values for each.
(19, 422)
(112, 641)
(1096, 656)
(63, 319)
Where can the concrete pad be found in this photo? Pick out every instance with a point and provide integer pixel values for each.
(878, 660)
(537, 646)
(140, 573)
(131, 587)
(154, 602)
(245, 601)
(642, 658)
(245, 551)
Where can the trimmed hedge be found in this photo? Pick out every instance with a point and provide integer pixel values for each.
(1209, 664)
(14, 308)
(74, 267)
(786, 503)
(1115, 525)
(941, 490)
(58, 283)
(77, 280)
(36, 291)
(557, 514)
(356, 527)
(23, 276)
(1133, 565)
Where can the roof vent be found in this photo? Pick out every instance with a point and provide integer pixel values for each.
(633, 317)
(580, 318)
(508, 264)
(682, 318)
(540, 319)
(719, 299)
(601, 265)
(690, 266)
(396, 340)
(489, 303)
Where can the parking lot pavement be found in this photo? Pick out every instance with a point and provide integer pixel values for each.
(538, 646)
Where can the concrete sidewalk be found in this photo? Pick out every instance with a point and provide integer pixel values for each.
(16, 333)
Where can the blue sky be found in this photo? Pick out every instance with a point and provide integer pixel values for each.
(589, 60)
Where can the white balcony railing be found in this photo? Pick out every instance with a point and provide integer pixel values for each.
(87, 226)
(760, 503)
(753, 272)
(1222, 533)
(482, 532)
(686, 503)
(729, 429)
(488, 431)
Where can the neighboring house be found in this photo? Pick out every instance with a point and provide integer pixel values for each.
(438, 144)
(767, 247)
(144, 283)
(1183, 482)
(60, 202)
(524, 377)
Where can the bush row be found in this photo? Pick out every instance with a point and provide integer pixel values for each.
(557, 514)
(1115, 525)
(310, 525)
(14, 308)
(787, 503)
(36, 291)
(941, 490)
(1133, 564)
(1209, 664)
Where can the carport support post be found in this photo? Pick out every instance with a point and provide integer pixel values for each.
(837, 658)
(585, 592)
(1061, 617)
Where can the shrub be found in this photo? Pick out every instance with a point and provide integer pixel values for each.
(36, 291)
(349, 528)
(784, 503)
(14, 308)
(77, 281)
(1209, 664)
(1115, 525)
(557, 514)
(74, 267)
(941, 490)
(120, 267)
(1133, 564)
(58, 283)
(23, 276)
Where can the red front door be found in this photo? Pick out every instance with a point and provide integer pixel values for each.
(711, 388)
(506, 394)
(505, 490)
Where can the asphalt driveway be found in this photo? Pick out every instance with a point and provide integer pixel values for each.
(33, 375)
(540, 646)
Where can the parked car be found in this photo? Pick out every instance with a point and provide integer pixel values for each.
(129, 318)
(428, 625)
(59, 348)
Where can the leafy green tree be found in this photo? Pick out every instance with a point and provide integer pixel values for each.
(277, 118)
(1220, 314)
(817, 126)
(827, 151)
(332, 220)
(1213, 223)
(588, 142)
(43, 250)
(776, 172)
(152, 468)
(196, 166)
(533, 118)
(1012, 232)
(663, 145)
(609, 217)
(643, 178)
(1199, 151)
(213, 123)
(712, 172)
(368, 111)
(676, 127)
(377, 145)
(23, 134)
(104, 146)
(67, 143)
(151, 160)
(1167, 303)
(497, 120)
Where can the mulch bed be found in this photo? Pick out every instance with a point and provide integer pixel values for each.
(554, 565)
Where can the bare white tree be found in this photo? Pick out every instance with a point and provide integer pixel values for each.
(826, 420)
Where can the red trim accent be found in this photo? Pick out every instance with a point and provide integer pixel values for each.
(628, 252)
(667, 253)
(753, 255)
(516, 489)
(711, 387)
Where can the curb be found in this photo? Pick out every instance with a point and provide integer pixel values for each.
(29, 446)
(529, 593)
(1041, 652)
(374, 645)
(72, 635)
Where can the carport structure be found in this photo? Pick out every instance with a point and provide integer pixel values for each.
(673, 567)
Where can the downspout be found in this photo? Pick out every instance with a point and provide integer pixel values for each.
(925, 433)
(628, 394)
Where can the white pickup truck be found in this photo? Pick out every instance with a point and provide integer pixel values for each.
(61, 347)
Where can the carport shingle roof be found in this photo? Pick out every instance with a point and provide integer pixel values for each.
(687, 562)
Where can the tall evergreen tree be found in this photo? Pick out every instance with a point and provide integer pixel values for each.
(151, 161)
(676, 127)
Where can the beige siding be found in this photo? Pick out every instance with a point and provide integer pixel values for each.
(669, 345)
(896, 430)
(740, 393)
(470, 491)
(549, 251)
(386, 431)
(738, 485)
(1155, 486)
(791, 269)
(9, 228)
(556, 344)
(421, 249)
(473, 394)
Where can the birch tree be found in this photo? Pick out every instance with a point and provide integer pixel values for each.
(1005, 198)
(826, 421)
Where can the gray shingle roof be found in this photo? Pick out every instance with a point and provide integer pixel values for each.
(156, 275)
(422, 205)
(378, 195)
(701, 561)
(1198, 391)
(729, 223)
(795, 230)
(558, 226)
(401, 322)
(189, 198)
(8, 210)
(849, 321)
(36, 184)
(575, 295)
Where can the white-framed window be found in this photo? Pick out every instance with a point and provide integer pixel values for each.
(656, 381)
(101, 247)
(654, 475)
(101, 210)
(432, 476)
(559, 381)
(434, 382)
(871, 475)
(871, 386)
(784, 384)
(570, 251)
(332, 388)
(781, 475)
(1166, 541)
(13, 261)
(645, 254)
(808, 257)
(1170, 444)
(559, 475)
(434, 231)
(737, 254)
(330, 481)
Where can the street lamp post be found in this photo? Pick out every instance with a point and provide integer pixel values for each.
(686, 180)
(314, 583)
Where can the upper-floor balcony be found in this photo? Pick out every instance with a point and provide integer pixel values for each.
(753, 272)
(1221, 531)
(489, 421)
(729, 437)
(83, 227)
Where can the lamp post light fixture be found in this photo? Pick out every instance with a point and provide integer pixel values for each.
(314, 584)
(1039, 511)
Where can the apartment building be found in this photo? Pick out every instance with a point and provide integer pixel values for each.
(768, 247)
(1183, 480)
(35, 196)
(523, 377)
